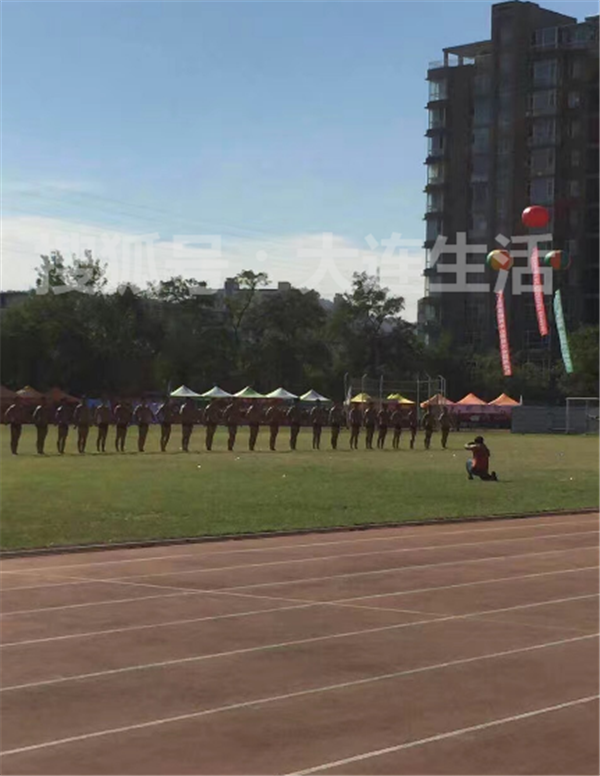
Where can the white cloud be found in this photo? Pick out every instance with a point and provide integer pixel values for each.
(141, 257)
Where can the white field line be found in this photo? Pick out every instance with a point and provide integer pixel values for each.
(403, 535)
(337, 602)
(235, 590)
(135, 577)
(288, 696)
(283, 644)
(443, 736)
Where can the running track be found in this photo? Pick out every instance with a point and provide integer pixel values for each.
(441, 649)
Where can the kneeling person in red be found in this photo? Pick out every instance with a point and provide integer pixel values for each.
(479, 465)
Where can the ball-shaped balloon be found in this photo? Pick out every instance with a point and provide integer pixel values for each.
(535, 216)
(498, 260)
(557, 260)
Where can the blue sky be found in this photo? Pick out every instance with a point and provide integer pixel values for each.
(265, 122)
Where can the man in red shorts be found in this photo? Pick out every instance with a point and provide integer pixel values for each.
(479, 464)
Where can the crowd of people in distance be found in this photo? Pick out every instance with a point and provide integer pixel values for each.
(229, 413)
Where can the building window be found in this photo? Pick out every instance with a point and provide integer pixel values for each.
(574, 99)
(543, 101)
(546, 38)
(479, 196)
(435, 145)
(575, 158)
(574, 188)
(482, 112)
(480, 168)
(504, 145)
(541, 161)
(541, 191)
(435, 201)
(543, 131)
(574, 128)
(437, 118)
(577, 68)
(545, 72)
(434, 228)
(435, 173)
(479, 224)
(438, 90)
(481, 140)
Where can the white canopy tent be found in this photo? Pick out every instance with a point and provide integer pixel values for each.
(281, 393)
(216, 393)
(313, 396)
(183, 392)
(248, 393)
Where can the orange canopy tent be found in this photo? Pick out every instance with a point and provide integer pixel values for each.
(470, 399)
(437, 401)
(55, 395)
(504, 401)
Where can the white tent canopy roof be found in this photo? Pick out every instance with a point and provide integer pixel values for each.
(183, 392)
(248, 393)
(216, 393)
(313, 396)
(281, 393)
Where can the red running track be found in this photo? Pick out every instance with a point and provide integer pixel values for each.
(451, 649)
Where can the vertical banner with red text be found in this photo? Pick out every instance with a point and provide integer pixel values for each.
(538, 293)
(503, 334)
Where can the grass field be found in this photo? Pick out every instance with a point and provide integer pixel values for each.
(75, 499)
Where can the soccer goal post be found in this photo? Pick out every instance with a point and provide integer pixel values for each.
(582, 413)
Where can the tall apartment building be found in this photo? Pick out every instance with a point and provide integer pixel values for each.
(513, 121)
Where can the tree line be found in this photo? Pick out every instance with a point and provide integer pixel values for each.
(72, 332)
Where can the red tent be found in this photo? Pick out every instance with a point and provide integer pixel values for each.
(471, 400)
(55, 395)
(504, 401)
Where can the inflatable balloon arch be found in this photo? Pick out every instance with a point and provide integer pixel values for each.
(533, 217)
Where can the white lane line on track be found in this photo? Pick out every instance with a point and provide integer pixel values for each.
(297, 694)
(235, 590)
(288, 562)
(307, 604)
(432, 620)
(443, 736)
(403, 535)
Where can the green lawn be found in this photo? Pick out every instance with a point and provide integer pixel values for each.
(77, 499)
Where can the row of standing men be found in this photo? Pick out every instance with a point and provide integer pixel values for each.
(218, 413)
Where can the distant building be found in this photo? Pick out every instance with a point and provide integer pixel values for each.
(513, 121)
